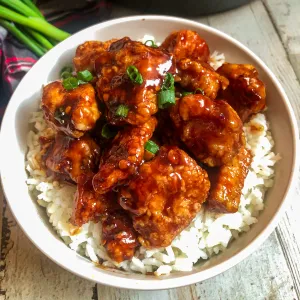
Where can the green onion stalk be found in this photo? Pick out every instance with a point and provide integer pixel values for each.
(24, 20)
(30, 43)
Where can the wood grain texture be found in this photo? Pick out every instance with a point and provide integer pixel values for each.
(27, 274)
(271, 273)
(285, 17)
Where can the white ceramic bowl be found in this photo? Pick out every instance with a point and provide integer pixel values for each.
(26, 98)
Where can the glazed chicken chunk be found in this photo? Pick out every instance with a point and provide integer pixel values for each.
(245, 93)
(123, 157)
(211, 130)
(227, 183)
(165, 196)
(118, 236)
(186, 44)
(88, 205)
(71, 158)
(87, 53)
(195, 74)
(117, 89)
(72, 112)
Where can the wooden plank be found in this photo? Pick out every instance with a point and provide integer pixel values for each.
(255, 278)
(27, 274)
(285, 17)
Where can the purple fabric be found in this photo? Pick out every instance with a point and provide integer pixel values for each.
(16, 59)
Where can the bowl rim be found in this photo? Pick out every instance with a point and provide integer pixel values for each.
(153, 284)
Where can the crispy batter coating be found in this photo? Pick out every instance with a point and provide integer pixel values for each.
(227, 183)
(115, 87)
(195, 74)
(165, 196)
(186, 44)
(71, 157)
(90, 206)
(245, 93)
(72, 112)
(123, 157)
(87, 53)
(211, 130)
(119, 236)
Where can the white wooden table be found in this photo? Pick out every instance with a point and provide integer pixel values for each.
(271, 28)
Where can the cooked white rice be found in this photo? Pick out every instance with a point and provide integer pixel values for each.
(208, 234)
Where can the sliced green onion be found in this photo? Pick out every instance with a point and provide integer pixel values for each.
(66, 69)
(168, 82)
(122, 111)
(200, 90)
(108, 132)
(151, 42)
(70, 83)
(30, 43)
(81, 82)
(186, 93)
(85, 75)
(166, 98)
(151, 147)
(65, 75)
(66, 72)
(134, 75)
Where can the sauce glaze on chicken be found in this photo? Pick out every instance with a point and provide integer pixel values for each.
(147, 177)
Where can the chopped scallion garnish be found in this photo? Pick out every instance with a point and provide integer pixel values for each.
(122, 111)
(166, 96)
(85, 75)
(134, 75)
(151, 147)
(70, 83)
(68, 69)
(168, 82)
(150, 43)
(65, 75)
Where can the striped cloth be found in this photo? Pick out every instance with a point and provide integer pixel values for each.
(16, 60)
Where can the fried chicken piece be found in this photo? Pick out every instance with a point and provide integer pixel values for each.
(118, 236)
(165, 196)
(87, 53)
(195, 74)
(71, 157)
(72, 112)
(186, 44)
(90, 206)
(115, 87)
(228, 182)
(123, 157)
(211, 130)
(245, 93)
